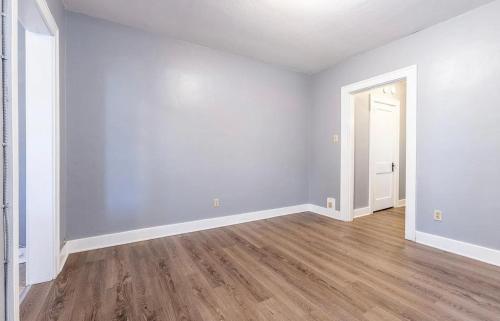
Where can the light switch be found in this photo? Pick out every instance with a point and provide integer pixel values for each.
(335, 139)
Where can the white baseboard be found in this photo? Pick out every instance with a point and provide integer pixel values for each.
(73, 246)
(401, 203)
(107, 240)
(325, 211)
(63, 256)
(329, 212)
(360, 212)
(23, 293)
(469, 250)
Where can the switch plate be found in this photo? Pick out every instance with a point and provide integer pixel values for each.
(438, 215)
(216, 202)
(335, 139)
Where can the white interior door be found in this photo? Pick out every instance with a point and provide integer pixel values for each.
(384, 151)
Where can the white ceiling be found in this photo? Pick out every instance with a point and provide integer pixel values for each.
(304, 35)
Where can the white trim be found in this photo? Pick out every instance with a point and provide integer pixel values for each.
(401, 203)
(364, 211)
(328, 212)
(469, 250)
(63, 256)
(24, 293)
(411, 153)
(107, 240)
(51, 24)
(371, 170)
(347, 143)
(347, 155)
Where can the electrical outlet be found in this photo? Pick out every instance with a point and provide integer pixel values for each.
(216, 202)
(330, 202)
(438, 215)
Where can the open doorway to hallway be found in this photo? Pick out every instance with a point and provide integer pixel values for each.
(380, 149)
(347, 161)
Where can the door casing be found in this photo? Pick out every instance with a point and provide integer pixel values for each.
(347, 143)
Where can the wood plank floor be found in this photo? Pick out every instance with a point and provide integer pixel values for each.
(298, 267)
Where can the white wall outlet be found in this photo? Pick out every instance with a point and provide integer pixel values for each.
(335, 139)
(330, 202)
(438, 215)
(216, 202)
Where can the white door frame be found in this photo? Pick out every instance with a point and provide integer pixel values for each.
(51, 24)
(371, 169)
(347, 143)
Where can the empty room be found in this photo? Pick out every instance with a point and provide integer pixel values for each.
(323, 160)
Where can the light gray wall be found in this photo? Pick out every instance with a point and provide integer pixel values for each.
(157, 128)
(458, 136)
(362, 141)
(401, 92)
(361, 149)
(150, 128)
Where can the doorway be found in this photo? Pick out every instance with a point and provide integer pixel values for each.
(38, 154)
(347, 192)
(379, 148)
